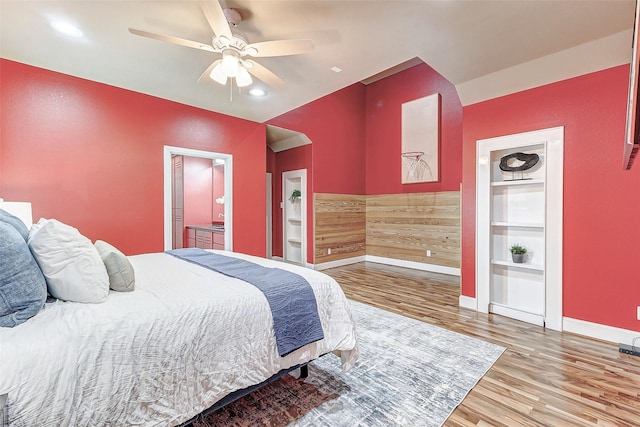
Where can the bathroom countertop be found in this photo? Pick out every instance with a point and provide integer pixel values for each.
(214, 227)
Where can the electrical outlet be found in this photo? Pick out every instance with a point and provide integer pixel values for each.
(638, 313)
(428, 252)
(329, 253)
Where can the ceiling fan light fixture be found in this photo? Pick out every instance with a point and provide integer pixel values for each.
(218, 75)
(230, 64)
(243, 78)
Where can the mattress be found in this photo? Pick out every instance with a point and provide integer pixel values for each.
(184, 339)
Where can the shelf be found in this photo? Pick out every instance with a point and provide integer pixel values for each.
(519, 314)
(294, 241)
(517, 182)
(517, 224)
(294, 220)
(524, 266)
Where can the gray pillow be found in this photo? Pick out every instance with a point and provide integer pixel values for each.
(15, 222)
(23, 289)
(121, 273)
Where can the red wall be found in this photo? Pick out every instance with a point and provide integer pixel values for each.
(198, 190)
(356, 131)
(91, 155)
(601, 280)
(335, 125)
(335, 158)
(384, 100)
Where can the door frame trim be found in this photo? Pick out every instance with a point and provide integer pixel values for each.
(228, 190)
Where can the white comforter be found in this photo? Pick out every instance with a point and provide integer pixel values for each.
(185, 338)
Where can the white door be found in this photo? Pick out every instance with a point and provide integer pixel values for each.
(269, 214)
(294, 216)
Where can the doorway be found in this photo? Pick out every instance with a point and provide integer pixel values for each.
(219, 160)
(294, 216)
(287, 150)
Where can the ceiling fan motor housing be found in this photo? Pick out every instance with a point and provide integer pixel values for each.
(233, 16)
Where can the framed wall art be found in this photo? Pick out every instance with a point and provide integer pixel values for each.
(421, 139)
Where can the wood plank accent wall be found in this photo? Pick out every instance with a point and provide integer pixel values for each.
(405, 226)
(340, 224)
(399, 226)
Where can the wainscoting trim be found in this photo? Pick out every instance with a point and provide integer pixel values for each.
(391, 261)
(339, 262)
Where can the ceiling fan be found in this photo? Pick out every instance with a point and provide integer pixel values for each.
(236, 62)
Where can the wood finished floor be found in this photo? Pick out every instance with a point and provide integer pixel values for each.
(544, 378)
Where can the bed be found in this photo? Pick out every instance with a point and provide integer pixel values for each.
(185, 338)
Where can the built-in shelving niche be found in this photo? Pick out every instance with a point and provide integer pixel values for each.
(525, 208)
(294, 216)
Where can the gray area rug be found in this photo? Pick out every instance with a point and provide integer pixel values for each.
(410, 373)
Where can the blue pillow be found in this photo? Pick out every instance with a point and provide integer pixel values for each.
(23, 289)
(15, 222)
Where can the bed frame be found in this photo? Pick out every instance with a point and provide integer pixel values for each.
(232, 397)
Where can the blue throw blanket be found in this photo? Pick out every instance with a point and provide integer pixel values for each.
(293, 305)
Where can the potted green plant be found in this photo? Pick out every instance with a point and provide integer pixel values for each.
(295, 195)
(518, 253)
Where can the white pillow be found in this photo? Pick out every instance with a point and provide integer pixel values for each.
(70, 263)
(122, 277)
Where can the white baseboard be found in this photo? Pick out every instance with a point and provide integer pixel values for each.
(339, 262)
(467, 302)
(535, 319)
(598, 331)
(390, 261)
(415, 265)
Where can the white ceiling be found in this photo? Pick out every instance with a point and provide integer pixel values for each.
(463, 40)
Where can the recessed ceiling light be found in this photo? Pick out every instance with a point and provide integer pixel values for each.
(66, 28)
(336, 69)
(257, 92)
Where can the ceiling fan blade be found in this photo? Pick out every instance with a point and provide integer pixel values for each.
(171, 39)
(264, 74)
(215, 16)
(210, 68)
(279, 48)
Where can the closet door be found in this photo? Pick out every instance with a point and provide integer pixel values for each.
(177, 202)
